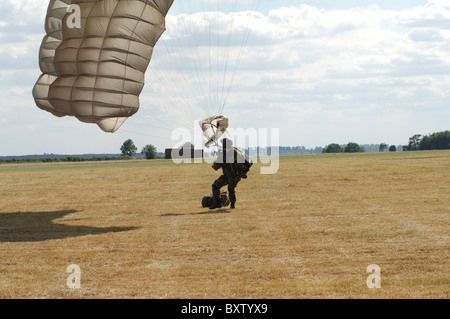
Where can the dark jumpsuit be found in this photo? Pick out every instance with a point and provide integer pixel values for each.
(232, 166)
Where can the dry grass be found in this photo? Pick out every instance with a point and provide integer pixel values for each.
(137, 230)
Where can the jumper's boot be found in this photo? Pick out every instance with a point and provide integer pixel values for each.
(232, 200)
(216, 200)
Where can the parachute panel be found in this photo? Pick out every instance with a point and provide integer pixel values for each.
(213, 128)
(57, 9)
(96, 73)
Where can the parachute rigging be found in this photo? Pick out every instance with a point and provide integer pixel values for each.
(96, 73)
(213, 128)
(196, 61)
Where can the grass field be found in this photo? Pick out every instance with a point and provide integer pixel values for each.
(137, 230)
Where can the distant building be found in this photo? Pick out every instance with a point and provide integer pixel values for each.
(183, 153)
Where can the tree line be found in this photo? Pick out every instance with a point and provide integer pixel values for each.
(349, 148)
(417, 142)
(129, 149)
(434, 141)
(63, 159)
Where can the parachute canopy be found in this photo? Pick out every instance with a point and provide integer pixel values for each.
(213, 128)
(95, 71)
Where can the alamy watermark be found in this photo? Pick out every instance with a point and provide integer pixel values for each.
(374, 279)
(74, 18)
(74, 279)
(261, 145)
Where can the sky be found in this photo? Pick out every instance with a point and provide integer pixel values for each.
(320, 72)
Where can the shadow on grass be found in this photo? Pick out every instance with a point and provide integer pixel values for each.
(38, 226)
(218, 211)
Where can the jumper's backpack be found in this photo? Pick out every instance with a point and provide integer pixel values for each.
(207, 201)
(243, 159)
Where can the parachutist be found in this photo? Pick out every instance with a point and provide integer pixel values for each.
(235, 166)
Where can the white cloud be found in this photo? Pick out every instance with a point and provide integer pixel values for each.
(426, 35)
(23, 12)
(321, 75)
(367, 61)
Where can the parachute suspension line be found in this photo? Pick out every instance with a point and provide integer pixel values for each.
(242, 49)
(208, 32)
(175, 60)
(123, 131)
(197, 65)
(226, 58)
(195, 57)
(151, 126)
(190, 85)
(221, 61)
(167, 84)
(191, 64)
(184, 99)
(176, 66)
(162, 76)
(166, 106)
(160, 120)
(142, 126)
(164, 79)
(217, 56)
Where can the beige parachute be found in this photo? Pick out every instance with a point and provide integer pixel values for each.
(95, 71)
(213, 128)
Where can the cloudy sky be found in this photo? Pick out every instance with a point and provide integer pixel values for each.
(320, 71)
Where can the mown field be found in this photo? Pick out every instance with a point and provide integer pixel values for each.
(137, 229)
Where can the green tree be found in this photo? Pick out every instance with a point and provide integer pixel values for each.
(128, 148)
(149, 151)
(333, 148)
(435, 141)
(382, 147)
(393, 148)
(353, 148)
(414, 142)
